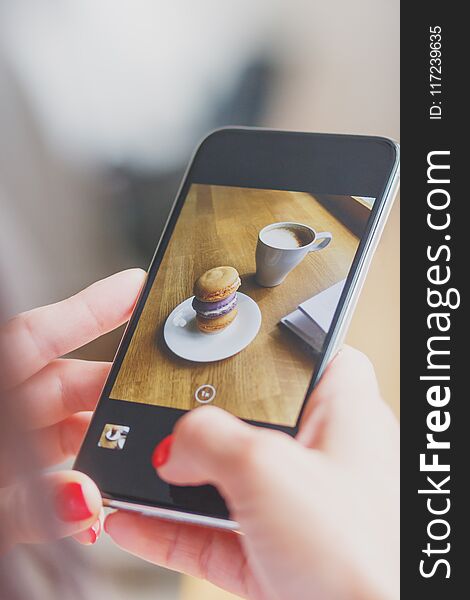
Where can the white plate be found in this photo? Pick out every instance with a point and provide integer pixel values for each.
(183, 337)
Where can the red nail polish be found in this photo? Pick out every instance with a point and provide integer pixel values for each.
(95, 531)
(93, 536)
(162, 452)
(70, 503)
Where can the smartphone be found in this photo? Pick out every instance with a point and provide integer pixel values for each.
(296, 216)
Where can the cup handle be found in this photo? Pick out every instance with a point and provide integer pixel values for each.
(321, 241)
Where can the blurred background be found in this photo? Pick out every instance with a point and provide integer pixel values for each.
(101, 105)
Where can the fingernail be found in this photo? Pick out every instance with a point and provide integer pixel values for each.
(70, 503)
(161, 454)
(90, 535)
(95, 531)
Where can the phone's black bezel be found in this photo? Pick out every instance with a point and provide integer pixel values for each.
(256, 158)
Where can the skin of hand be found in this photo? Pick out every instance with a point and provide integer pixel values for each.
(50, 400)
(319, 514)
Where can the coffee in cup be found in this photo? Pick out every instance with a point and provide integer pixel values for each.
(282, 246)
(287, 237)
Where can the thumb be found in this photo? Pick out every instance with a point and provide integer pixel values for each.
(272, 485)
(346, 416)
(211, 446)
(48, 507)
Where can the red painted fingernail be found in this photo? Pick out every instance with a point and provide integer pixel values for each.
(70, 503)
(93, 536)
(162, 452)
(95, 531)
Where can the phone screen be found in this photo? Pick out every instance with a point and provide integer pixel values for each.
(249, 350)
(247, 288)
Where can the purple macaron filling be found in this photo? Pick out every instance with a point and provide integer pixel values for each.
(212, 310)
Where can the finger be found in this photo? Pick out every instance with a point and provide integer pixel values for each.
(49, 507)
(90, 536)
(257, 471)
(341, 416)
(57, 443)
(211, 446)
(347, 384)
(62, 388)
(34, 338)
(46, 447)
(350, 371)
(197, 551)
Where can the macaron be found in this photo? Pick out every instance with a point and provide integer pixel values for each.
(213, 310)
(215, 299)
(217, 284)
(218, 324)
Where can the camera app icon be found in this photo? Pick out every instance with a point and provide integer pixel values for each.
(113, 437)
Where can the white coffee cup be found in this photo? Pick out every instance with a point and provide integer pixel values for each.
(282, 246)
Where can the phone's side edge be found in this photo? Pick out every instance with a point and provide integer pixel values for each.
(173, 515)
(357, 284)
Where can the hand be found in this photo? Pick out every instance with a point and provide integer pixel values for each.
(320, 514)
(46, 411)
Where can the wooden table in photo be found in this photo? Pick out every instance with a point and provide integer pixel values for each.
(219, 225)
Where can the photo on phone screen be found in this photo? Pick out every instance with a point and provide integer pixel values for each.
(247, 297)
(292, 252)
